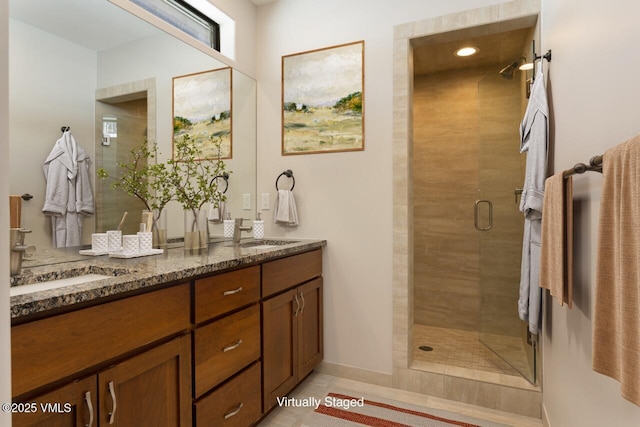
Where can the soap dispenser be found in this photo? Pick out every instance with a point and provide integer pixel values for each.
(228, 225)
(258, 228)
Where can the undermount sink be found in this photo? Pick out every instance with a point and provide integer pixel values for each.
(43, 282)
(265, 244)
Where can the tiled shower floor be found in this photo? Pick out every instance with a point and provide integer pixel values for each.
(454, 347)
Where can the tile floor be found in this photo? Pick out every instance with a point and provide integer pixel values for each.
(318, 385)
(455, 347)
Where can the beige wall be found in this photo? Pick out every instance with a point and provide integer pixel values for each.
(345, 198)
(594, 107)
(39, 107)
(465, 148)
(5, 353)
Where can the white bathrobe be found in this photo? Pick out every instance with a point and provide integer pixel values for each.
(68, 195)
(534, 139)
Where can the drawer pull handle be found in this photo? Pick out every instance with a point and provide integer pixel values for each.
(87, 399)
(303, 303)
(112, 414)
(234, 412)
(232, 292)
(232, 347)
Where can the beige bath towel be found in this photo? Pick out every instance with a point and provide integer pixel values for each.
(556, 257)
(616, 325)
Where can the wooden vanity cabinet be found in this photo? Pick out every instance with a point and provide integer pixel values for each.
(217, 351)
(151, 389)
(291, 323)
(121, 350)
(77, 407)
(237, 403)
(226, 349)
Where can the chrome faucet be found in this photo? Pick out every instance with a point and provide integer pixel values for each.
(238, 229)
(18, 249)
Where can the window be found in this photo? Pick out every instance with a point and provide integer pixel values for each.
(186, 18)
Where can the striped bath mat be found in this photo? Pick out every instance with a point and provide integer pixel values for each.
(340, 410)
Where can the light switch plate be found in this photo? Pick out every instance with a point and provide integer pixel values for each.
(246, 201)
(265, 202)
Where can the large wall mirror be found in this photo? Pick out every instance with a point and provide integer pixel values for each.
(81, 63)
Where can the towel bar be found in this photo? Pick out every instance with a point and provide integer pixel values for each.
(595, 165)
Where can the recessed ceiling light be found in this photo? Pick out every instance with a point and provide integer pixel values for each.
(467, 51)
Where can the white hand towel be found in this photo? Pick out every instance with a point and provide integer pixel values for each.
(286, 212)
(293, 211)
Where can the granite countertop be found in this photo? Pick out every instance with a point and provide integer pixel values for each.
(126, 275)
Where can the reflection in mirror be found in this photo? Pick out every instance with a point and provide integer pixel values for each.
(107, 74)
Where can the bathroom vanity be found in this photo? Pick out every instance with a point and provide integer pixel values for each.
(177, 339)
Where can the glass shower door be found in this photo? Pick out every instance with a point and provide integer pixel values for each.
(500, 223)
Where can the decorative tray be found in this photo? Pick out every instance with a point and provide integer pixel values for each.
(91, 252)
(137, 255)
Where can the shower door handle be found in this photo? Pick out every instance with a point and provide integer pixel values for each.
(476, 207)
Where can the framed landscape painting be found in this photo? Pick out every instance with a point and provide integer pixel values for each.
(323, 100)
(202, 111)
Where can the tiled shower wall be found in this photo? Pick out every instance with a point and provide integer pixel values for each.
(132, 133)
(446, 157)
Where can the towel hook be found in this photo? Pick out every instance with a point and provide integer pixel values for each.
(289, 174)
(536, 57)
(63, 129)
(224, 176)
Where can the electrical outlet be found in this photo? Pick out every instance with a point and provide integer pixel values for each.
(246, 201)
(265, 202)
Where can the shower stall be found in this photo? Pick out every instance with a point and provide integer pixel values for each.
(467, 174)
(121, 128)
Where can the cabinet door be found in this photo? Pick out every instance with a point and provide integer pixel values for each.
(279, 345)
(73, 405)
(310, 351)
(151, 389)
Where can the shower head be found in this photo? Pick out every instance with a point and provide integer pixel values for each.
(507, 72)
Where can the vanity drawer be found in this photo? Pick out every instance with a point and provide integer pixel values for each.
(288, 272)
(220, 294)
(225, 346)
(237, 403)
(54, 348)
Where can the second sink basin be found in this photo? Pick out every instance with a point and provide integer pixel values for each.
(29, 283)
(265, 243)
(54, 284)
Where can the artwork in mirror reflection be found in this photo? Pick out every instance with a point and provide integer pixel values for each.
(202, 111)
